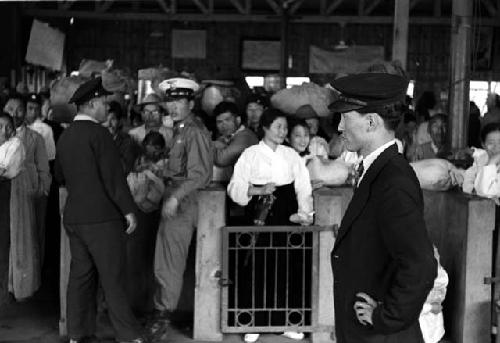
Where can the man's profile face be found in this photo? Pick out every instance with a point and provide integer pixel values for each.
(15, 108)
(33, 111)
(353, 126)
(227, 123)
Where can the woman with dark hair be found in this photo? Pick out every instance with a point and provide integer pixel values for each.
(299, 136)
(272, 182)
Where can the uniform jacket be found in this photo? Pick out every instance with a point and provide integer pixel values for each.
(88, 163)
(190, 160)
(383, 249)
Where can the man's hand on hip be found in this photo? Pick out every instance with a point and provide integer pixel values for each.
(364, 308)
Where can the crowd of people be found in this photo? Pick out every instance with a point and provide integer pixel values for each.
(148, 176)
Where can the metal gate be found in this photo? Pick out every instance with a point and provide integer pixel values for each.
(270, 278)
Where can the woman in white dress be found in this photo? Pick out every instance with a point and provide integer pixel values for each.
(271, 177)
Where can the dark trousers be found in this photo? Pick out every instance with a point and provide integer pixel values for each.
(4, 239)
(98, 250)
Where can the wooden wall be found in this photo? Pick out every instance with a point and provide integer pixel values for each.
(139, 44)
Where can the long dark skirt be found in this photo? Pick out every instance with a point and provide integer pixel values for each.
(271, 280)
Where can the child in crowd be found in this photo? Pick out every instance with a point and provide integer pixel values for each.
(145, 180)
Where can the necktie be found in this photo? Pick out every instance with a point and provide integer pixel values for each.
(359, 171)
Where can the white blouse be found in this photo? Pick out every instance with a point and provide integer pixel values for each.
(48, 137)
(12, 155)
(259, 165)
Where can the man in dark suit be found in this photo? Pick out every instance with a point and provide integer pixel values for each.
(382, 260)
(99, 213)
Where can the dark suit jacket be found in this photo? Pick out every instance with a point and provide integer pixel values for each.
(88, 163)
(383, 249)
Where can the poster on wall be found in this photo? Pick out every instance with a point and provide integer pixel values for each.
(350, 60)
(189, 44)
(261, 55)
(45, 46)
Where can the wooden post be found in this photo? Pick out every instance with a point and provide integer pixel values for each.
(400, 31)
(460, 72)
(328, 212)
(284, 48)
(211, 219)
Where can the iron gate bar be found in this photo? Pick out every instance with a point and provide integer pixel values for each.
(235, 317)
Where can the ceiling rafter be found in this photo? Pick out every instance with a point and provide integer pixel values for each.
(276, 8)
(103, 5)
(248, 6)
(490, 7)
(239, 6)
(333, 6)
(65, 5)
(296, 6)
(164, 6)
(203, 8)
(369, 9)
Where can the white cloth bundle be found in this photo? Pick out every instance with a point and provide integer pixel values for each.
(290, 99)
(330, 172)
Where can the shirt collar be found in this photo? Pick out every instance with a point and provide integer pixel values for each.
(371, 157)
(81, 116)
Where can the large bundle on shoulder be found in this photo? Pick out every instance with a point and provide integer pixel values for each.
(290, 99)
(329, 172)
(61, 92)
(437, 174)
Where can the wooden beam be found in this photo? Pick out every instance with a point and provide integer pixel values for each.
(210, 6)
(173, 6)
(369, 9)
(164, 6)
(490, 7)
(400, 31)
(103, 5)
(333, 6)
(239, 6)
(413, 3)
(296, 6)
(65, 5)
(239, 18)
(361, 7)
(201, 6)
(437, 8)
(276, 8)
(248, 6)
(461, 28)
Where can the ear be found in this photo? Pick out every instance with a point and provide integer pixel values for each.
(373, 121)
(191, 104)
(238, 121)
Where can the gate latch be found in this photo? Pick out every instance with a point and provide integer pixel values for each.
(223, 282)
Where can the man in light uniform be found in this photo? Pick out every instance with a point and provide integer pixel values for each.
(189, 169)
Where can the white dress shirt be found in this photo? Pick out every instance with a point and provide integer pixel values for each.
(259, 164)
(48, 137)
(371, 157)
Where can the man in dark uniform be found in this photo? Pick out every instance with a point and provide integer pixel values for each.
(189, 169)
(99, 213)
(383, 261)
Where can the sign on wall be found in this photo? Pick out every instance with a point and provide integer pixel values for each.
(261, 55)
(353, 59)
(189, 44)
(45, 46)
